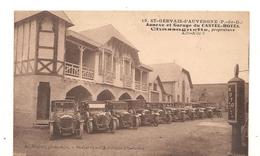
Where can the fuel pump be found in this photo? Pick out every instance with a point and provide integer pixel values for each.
(236, 103)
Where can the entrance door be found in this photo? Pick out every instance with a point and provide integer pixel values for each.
(43, 101)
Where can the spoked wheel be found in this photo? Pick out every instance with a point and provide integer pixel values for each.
(136, 122)
(169, 118)
(117, 123)
(139, 121)
(80, 131)
(113, 125)
(156, 121)
(51, 131)
(89, 127)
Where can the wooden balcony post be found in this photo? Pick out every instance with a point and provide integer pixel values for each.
(81, 50)
(103, 61)
(141, 80)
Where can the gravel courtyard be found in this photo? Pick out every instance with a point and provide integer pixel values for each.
(206, 137)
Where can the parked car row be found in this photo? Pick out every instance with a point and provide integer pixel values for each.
(67, 117)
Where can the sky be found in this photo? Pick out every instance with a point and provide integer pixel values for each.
(209, 58)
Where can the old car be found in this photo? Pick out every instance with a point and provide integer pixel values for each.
(209, 112)
(177, 113)
(126, 118)
(200, 112)
(190, 112)
(97, 116)
(218, 112)
(160, 108)
(64, 119)
(146, 115)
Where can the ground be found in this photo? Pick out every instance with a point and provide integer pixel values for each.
(206, 137)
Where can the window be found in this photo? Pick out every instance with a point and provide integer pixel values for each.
(108, 62)
(127, 67)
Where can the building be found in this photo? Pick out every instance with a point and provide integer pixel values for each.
(176, 81)
(157, 92)
(52, 62)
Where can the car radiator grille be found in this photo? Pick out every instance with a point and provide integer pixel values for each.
(66, 122)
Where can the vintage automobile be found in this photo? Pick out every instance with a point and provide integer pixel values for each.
(160, 108)
(177, 113)
(218, 112)
(146, 115)
(190, 112)
(200, 112)
(64, 119)
(209, 112)
(97, 117)
(126, 117)
(182, 114)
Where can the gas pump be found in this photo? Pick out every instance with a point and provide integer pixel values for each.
(236, 103)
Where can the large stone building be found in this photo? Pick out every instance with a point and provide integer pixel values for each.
(176, 81)
(52, 62)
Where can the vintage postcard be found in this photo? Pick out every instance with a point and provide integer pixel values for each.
(152, 83)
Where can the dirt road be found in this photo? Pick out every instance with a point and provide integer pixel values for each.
(207, 137)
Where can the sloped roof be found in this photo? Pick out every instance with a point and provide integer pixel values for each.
(104, 34)
(21, 15)
(82, 38)
(152, 77)
(146, 67)
(170, 72)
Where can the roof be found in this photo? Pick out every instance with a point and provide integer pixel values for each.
(170, 72)
(146, 67)
(105, 33)
(22, 15)
(153, 76)
(82, 38)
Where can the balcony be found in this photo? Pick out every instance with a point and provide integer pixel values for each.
(141, 86)
(73, 70)
(127, 82)
(144, 86)
(108, 77)
(138, 85)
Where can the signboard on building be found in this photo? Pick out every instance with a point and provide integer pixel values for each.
(232, 103)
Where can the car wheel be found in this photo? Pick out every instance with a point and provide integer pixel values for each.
(113, 125)
(90, 127)
(136, 122)
(51, 135)
(139, 121)
(169, 118)
(81, 130)
(156, 121)
(117, 123)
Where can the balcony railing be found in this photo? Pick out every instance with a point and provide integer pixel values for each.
(87, 73)
(141, 86)
(144, 87)
(108, 77)
(137, 85)
(73, 70)
(127, 82)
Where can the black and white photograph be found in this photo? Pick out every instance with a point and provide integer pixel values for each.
(130, 83)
